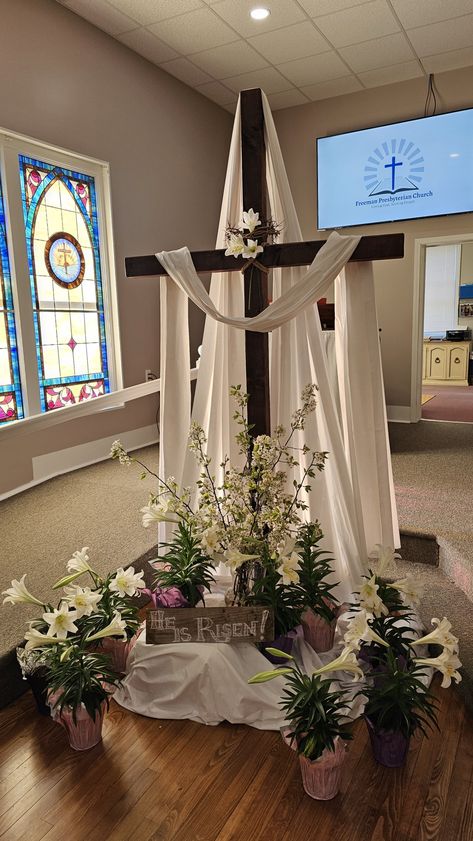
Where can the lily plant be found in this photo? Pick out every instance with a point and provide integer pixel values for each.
(317, 713)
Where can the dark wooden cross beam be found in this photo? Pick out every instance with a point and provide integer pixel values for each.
(386, 247)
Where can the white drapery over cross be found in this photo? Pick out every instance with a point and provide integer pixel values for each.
(354, 497)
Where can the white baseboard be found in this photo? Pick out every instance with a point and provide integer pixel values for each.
(73, 458)
(399, 414)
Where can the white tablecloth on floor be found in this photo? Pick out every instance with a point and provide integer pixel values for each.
(208, 683)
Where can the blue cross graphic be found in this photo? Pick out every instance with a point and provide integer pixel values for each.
(392, 166)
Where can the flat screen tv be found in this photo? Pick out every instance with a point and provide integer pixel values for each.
(400, 171)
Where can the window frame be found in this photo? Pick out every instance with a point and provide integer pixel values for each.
(12, 145)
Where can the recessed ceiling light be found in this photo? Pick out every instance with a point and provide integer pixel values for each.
(259, 13)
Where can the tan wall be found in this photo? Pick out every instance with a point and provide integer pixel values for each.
(64, 82)
(298, 129)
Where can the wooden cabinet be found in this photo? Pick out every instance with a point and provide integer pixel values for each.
(446, 363)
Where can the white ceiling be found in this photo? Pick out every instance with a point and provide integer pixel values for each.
(304, 51)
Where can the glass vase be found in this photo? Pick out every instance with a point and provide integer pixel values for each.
(389, 747)
(84, 732)
(322, 777)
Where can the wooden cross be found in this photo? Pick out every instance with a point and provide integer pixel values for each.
(386, 247)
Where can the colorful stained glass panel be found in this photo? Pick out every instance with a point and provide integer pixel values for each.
(11, 404)
(63, 247)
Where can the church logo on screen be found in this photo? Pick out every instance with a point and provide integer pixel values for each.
(394, 167)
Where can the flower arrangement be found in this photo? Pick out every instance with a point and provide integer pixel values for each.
(247, 519)
(248, 240)
(73, 642)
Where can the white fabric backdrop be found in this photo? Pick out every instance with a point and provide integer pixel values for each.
(352, 524)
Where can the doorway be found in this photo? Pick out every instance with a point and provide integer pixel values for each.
(442, 373)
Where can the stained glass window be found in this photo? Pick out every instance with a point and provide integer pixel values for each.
(11, 404)
(62, 239)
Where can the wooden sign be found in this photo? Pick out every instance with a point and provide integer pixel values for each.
(209, 624)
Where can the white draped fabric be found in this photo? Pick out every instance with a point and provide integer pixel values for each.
(353, 498)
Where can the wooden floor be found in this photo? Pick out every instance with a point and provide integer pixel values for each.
(155, 780)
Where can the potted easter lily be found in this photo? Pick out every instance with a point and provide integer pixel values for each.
(318, 722)
(80, 681)
(321, 608)
(399, 702)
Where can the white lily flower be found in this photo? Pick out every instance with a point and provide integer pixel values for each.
(61, 621)
(234, 559)
(83, 600)
(115, 628)
(210, 539)
(447, 663)
(35, 639)
(346, 662)
(19, 594)
(411, 589)
(386, 557)
(157, 512)
(369, 599)
(441, 636)
(235, 246)
(126, 582)
(251, 249)
(360, 631)
(288, 568)
(251, 220)
(79, 561)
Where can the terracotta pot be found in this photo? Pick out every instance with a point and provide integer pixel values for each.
(322, 777)
(285, 643)
(118, 650)
(317, 632)
(84, 733)
(389, 746)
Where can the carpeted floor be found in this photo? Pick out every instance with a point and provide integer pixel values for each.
(448, 403)
(97, 507)
(433, 469)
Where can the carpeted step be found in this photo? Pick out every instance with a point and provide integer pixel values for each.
(419, 547)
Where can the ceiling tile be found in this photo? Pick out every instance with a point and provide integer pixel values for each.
(421, 12)
(388, 75)
(334, 87)
(448, 61)
(382, 52)
(441, 37)
(266, 78)
(351, 26)
(229, 60)
(152, 11)
(237, 14)
(194, 31)
(184, 70)
(218, 93)
(317, 68)
(286, 99)
(104, 16)
(147, 45)
(316, 8)
(291, 42)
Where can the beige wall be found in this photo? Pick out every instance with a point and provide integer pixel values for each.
(65, 82)
(298, 128)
